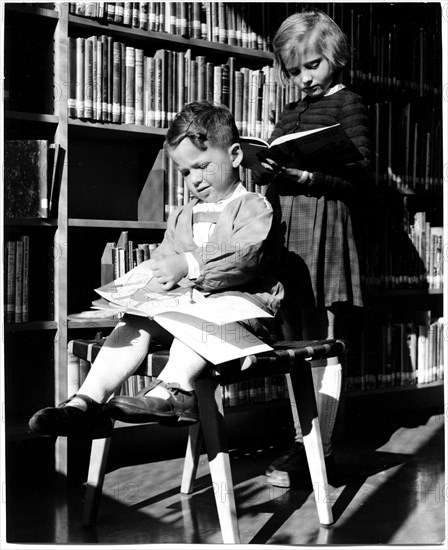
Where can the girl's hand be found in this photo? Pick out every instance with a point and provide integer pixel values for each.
(299, 176)
(271, 165)
(170, 270)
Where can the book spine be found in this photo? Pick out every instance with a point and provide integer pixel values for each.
(130, 85)
(88, 79)
(116, 100)
(72, 94)
(94, 40)
(99, 79)
(43, 170)
(25, 275)
(10, 280)
(80, 49)
(104, 86)
(110, 76)
(139, 87)
(18, 282)
(144, 15)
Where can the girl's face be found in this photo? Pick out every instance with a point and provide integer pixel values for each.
(310, 71)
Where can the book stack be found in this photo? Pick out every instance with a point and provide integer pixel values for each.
(17, 257)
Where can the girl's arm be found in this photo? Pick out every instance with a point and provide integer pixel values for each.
(342, 182)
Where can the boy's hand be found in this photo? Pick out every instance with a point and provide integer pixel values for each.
(170, 270)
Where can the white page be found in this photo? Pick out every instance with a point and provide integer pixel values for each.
(216, 342)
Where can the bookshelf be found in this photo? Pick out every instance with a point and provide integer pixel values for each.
(104, 165)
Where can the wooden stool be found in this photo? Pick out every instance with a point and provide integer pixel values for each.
(289, 358)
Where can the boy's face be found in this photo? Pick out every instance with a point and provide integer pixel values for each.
(310, 71)
(210, 175)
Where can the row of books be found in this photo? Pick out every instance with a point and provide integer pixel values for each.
(120, 257)
(234, 395)
(223, 22)
(380, 62)
(112, 82)
(116, 83)
(407, 353)
(407, 144)
(400, 257)
(16, 273)
(237, 394)
(30, 178)
(386, 61)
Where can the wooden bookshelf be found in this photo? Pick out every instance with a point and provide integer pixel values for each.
(105, 166)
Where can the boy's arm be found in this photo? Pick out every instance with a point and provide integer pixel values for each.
(236, 257)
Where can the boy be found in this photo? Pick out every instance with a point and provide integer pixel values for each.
(223, 240)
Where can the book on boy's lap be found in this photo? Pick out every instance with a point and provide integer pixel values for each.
(209, 325)
(26, 177)
(309, 150)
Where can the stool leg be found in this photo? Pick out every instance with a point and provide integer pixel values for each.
(192, 454)
(303, 390)
(211, 414)
(95, 478)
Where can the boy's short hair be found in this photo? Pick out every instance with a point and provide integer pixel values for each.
(201, 121)
(309, 28)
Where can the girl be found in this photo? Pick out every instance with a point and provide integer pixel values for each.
(310, 51)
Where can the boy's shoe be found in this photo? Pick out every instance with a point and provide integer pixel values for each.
(291, 469)
(181, 407)
(66, 420)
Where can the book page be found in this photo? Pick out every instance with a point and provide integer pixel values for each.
(328, 130)
(216, 342)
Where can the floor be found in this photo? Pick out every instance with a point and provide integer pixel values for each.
(391, 490)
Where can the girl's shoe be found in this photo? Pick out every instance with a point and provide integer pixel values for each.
(67, 420)
(294, 472)
(181, 407)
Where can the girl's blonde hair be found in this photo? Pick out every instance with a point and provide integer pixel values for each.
(304, 30)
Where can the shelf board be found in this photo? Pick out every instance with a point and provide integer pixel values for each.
(115, 224)
(19, 432)
(393, 389)
(33, 325)
(93, 323)
(33, 10)
(35, 222)
(406, 292)
(167, 40)
(31, 117)
(107, 130)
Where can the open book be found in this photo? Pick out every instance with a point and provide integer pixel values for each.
(209, 325)
(310, 150)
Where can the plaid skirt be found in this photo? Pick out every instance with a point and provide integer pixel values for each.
(320, 232)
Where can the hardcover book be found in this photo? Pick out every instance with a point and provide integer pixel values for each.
(26, 166)
(210, 326)
(309, 150)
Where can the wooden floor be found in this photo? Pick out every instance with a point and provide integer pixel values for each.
(392, 490)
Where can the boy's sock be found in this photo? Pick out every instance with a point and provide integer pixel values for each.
(158, 391)
(118, 359)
